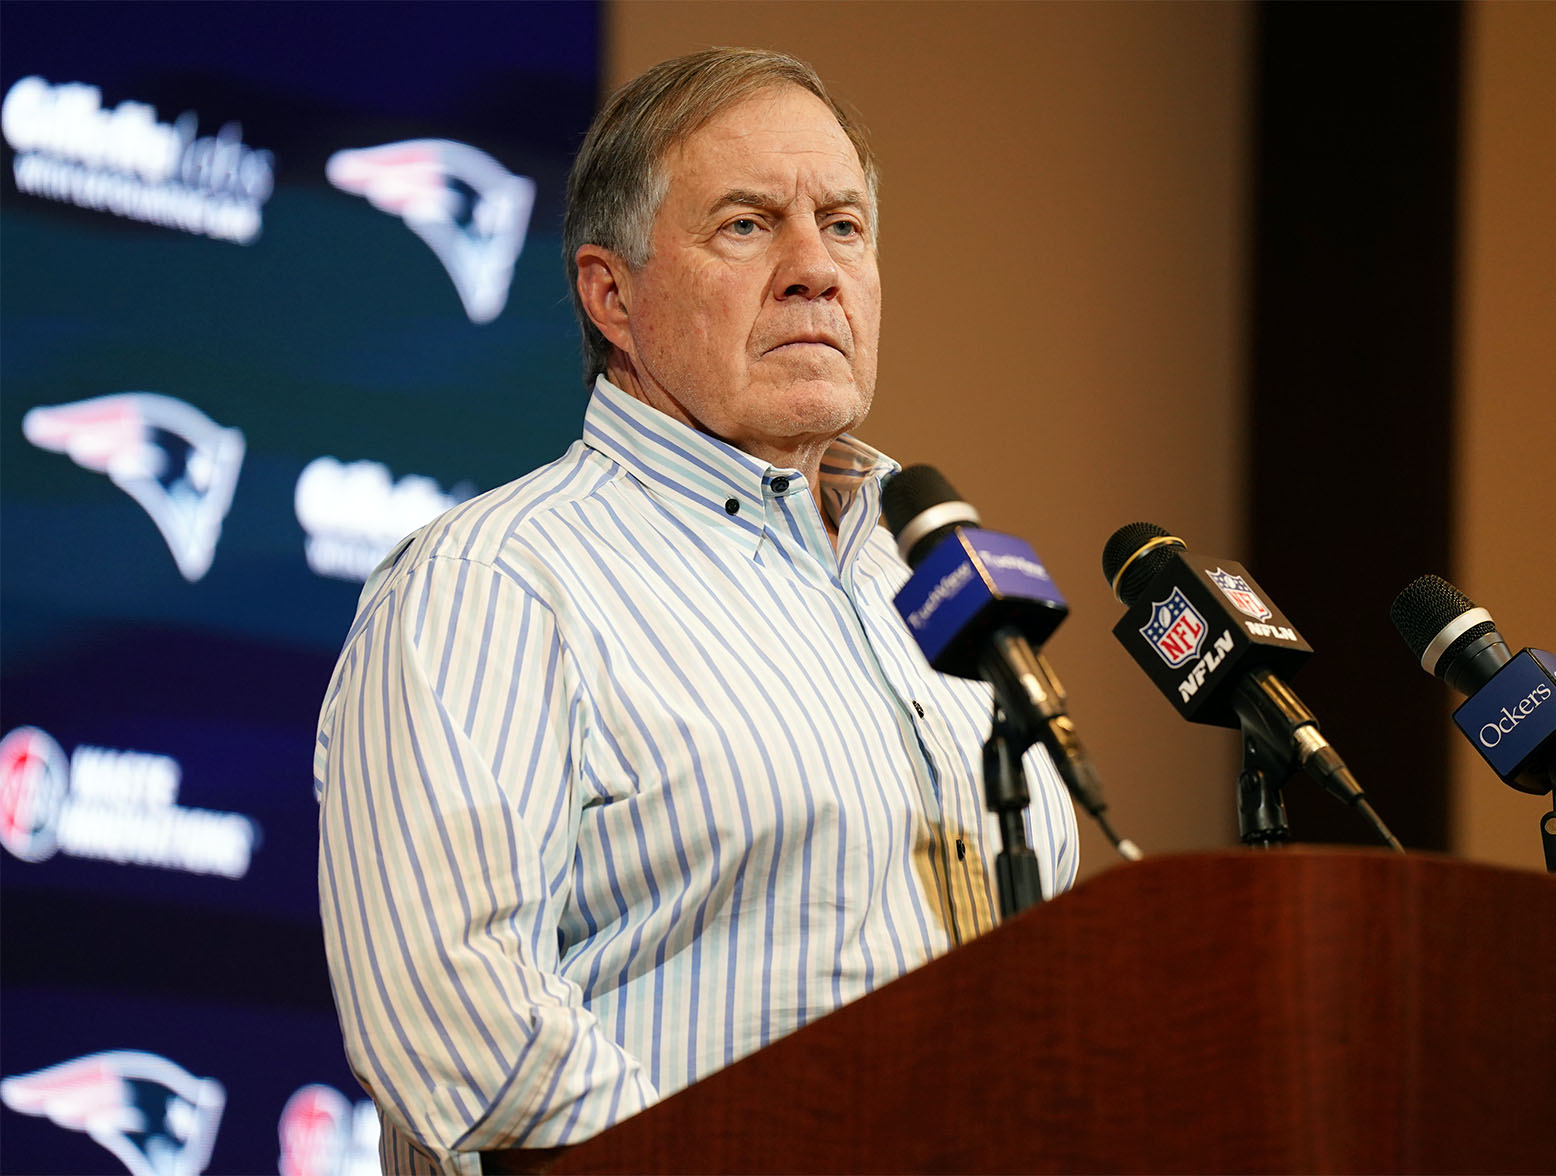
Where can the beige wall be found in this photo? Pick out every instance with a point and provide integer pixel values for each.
(1064, 210)
(1063, 205)
(1506, 425)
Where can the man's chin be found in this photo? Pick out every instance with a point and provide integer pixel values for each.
(822, 406)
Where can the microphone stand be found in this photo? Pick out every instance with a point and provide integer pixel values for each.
(1261, 804)
(1281, 735)
(1005, 792)
(1548, 826)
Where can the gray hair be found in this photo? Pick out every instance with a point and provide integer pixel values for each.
(617, 183)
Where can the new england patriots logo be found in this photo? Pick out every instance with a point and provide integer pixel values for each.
(169, 456)
(1175, 629)
(1236, 589)
(466, 206)
(155, 1117)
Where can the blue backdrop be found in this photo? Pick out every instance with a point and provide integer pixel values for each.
(280, 281)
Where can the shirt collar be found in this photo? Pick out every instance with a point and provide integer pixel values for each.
(701, 475)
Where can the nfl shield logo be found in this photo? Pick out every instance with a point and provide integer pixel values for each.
(1236, 589)
(1175, 629)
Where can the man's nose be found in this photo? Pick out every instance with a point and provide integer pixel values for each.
(806, 267)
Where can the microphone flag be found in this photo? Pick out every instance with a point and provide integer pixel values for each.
(969, 585)
(1195, 622)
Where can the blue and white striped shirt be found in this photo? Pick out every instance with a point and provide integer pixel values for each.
(625, 773)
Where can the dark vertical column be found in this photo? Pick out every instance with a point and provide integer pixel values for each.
(1352, 373)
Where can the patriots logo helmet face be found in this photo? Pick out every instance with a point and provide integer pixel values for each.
(469, 209)
(180, 465)
(157, 1118)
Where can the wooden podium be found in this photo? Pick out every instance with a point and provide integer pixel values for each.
(1299, 1010)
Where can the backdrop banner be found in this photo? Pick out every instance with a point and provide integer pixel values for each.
(281, 282)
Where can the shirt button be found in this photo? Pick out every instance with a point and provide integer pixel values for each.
(733, 506)
(918, 708)
(780, 485)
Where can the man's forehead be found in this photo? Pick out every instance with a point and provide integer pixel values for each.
(775, 124)
(827, 199)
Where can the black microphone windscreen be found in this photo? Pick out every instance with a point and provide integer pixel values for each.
(921, 509)
(1425, 607)
(913, 491)
(1121, 549)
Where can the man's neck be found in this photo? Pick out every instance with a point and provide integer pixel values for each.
(803, 455)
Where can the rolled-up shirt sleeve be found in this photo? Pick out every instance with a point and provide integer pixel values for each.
(445, 768)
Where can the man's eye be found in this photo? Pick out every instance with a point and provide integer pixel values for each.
(743, 227)
(843, 228)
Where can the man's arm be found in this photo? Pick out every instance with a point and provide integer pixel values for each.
(447, 831)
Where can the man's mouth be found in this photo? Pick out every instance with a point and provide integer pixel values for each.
(807, 341)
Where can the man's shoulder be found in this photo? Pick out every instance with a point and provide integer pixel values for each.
(490, 527)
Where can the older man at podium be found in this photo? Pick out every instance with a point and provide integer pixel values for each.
(630, 767)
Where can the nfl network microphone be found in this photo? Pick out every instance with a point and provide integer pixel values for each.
(980, 604)
(1510, 712)
(1204, 631)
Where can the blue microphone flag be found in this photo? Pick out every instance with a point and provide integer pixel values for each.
(971, 583)
(1512, 718)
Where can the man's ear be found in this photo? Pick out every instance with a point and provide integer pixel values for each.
(604, 288)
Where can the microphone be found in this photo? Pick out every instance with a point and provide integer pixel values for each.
(980, 605)
(1206, 633)
(1510, 712)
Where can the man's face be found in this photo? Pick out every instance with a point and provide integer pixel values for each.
(757, 315)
